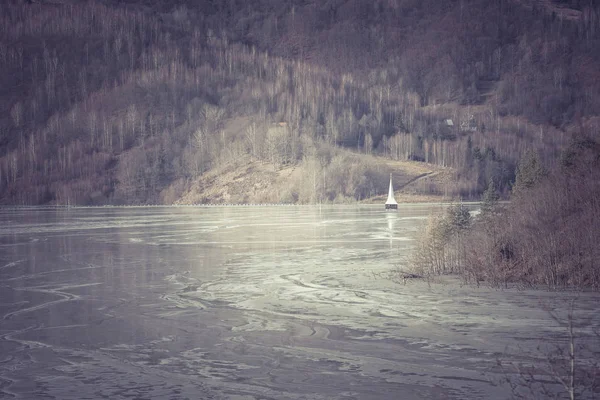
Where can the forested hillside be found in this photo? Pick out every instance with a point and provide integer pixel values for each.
(133, 102)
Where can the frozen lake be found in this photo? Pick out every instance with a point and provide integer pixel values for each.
(253, 303)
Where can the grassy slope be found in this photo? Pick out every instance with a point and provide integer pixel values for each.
(256, 182)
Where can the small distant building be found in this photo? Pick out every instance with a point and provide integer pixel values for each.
(445, 129)
(469, 124)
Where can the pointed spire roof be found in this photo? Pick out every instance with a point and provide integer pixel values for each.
(390, 199)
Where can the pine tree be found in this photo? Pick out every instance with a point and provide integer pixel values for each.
(490, 199)
(458, 218)
(529, 173)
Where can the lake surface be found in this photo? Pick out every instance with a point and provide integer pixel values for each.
(255, 303)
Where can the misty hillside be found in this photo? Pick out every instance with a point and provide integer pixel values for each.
(140, 101)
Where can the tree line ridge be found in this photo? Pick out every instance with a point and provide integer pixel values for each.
(132, 102)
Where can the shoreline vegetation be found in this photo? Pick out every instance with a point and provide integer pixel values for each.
(547, 236)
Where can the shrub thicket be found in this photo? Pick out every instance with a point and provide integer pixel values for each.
(549, 234)
(440, 245)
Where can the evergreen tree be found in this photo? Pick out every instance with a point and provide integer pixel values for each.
(490, 198)
(458, 218)
(529, 173)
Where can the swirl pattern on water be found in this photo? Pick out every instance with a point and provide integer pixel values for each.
(249, 303)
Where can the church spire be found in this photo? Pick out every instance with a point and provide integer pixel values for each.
(391, 203)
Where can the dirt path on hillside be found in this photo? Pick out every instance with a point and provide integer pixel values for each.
(419, 177)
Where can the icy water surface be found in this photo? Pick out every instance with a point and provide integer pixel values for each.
(250, 303)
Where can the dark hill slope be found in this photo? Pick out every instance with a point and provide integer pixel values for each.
(109, 101)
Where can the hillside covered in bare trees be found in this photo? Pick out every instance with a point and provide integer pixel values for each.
(132, 102)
